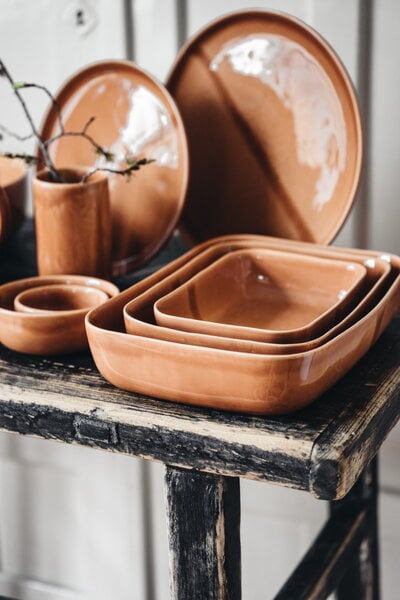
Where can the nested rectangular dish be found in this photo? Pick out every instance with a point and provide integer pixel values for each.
(226, 379)
(139, 318)
(263, 295)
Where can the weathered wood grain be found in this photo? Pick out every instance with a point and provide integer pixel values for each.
(203, 514)
(321, 569)
(361, 580)
(368, 409)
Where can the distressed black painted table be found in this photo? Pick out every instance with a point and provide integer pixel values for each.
(326, 449)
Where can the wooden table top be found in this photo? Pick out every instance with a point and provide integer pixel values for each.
(321, 449)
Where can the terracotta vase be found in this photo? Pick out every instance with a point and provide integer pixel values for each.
(72, 222)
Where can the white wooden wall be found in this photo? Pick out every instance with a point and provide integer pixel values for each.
(82, 524)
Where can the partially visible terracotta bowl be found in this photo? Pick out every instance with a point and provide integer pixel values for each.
(263, 295)
(47, 332)
(13, 194)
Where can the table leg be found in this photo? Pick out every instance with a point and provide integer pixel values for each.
(203, 513)
(361, 580)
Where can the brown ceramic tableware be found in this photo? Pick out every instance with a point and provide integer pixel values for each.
(59, 298)
(273, 128)
(13, 194)
(226, 379)
(138, 313)
(134, 116)
(263, 295)
(72, 224)
(44, 333)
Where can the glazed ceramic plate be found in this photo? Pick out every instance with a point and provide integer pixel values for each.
(273, 128)
(263, 295)
(135, 116)
(139, 318)
(224, 379)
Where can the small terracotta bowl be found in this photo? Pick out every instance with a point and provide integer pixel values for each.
(68, 301)
(263, 295)
(48, 332)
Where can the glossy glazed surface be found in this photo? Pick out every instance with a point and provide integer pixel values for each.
(59, 298)
(72, 225)
(135, 116)
(138, 313)
(236, 381)
(263, 295)
(44, 333)
(13, 194)
(266, 100)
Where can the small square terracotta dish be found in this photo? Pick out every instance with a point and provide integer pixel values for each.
(263, 295)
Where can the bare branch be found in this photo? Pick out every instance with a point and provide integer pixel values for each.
(54, 102)
(133, 165)
(46, 156)
(29, 159)
(20, 138)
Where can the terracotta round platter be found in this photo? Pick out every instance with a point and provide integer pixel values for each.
(134, 115)
(273, 126)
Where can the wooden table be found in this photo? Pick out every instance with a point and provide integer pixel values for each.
(326, 449)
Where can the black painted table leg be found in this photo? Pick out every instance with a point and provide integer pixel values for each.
(203, 512)
(361, 580)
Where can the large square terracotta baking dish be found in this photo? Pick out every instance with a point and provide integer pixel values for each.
(225, 379)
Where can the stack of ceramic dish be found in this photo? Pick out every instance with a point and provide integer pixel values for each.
(45, 315)
(256, 323)
(223, 363)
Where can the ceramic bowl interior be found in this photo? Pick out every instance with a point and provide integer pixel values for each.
(59, 298)
(263, 295)
(13, 194)
(47, 332)
(139, 317)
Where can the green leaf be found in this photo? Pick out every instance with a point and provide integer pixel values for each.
(18, 84)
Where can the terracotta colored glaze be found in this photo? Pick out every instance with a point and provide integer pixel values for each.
(225, 379)
(273, 128)
(13, 194)
(46, 334)
(72, 223)
(135, 116)
(263, 295)
(59, 298)
(138, 313)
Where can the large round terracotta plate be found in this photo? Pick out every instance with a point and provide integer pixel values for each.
(273, 126)
(136, 116)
